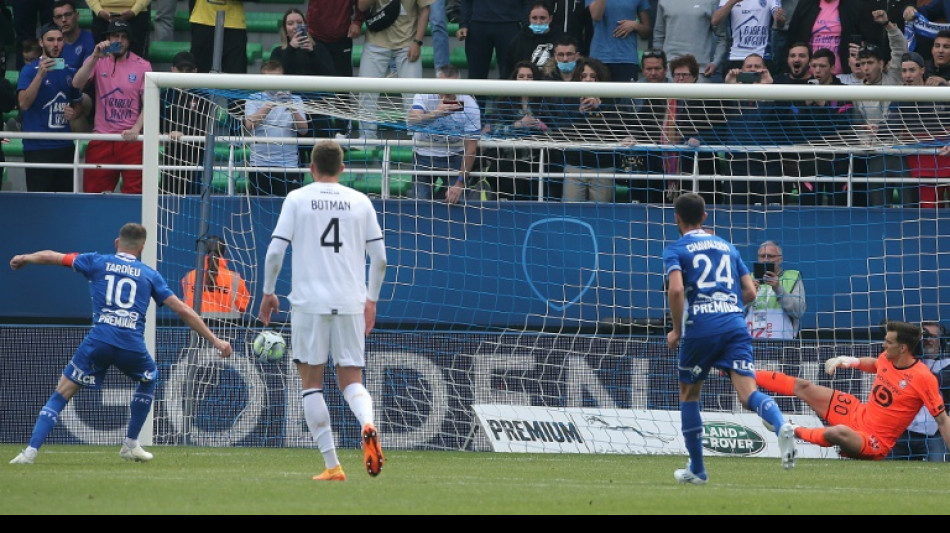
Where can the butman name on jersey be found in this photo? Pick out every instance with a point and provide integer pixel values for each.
(330, 205)
(706, 245)
(124, 269)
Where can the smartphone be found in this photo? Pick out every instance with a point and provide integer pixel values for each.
(749, 77)
(759, 270)
(58, 64)
(857, 38)
(114, 48)
(450, 101)
(302, 30)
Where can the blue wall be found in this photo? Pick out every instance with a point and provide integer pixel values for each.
(532, 265)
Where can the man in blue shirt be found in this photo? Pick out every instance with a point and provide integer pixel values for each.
(48, 103)
(121, 287)
(77, 42)
(708, 283)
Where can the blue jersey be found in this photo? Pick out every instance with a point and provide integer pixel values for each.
(76, 53)
(47, 114)
(120, 287)
(712, 270)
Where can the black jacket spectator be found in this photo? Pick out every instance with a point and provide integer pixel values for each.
(573, 17)
(537, 48)
(300, 62)
(7, 104)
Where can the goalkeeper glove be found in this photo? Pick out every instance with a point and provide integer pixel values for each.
(840, 362)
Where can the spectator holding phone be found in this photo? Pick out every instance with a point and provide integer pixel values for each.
(779, 303)
(48, 103)
(298, 52)
(446, 129)
(118, 75)
(276, 114)
(135, 13)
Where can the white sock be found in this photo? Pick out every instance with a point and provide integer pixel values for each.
(360, 402)
(131, 443)
(318, 421)
(30, 451)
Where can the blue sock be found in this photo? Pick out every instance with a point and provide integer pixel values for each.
(139, 409)
(765, 406)
(49, 416)
(692, 424)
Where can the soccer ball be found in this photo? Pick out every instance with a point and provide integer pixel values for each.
(269, 346)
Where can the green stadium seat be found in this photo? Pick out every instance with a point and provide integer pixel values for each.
(14, 149)
(85, 18)
(219, 183)
(400, 154)
(182, 22)
(263, 22)
(373, 183)
(361, 155)
(254, 52)
(223, 151)
(164, 52)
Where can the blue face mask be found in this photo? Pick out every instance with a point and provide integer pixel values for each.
(567, 67)
(539, 28)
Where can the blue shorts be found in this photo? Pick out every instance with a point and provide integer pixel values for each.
(730, 351)
(93, 358)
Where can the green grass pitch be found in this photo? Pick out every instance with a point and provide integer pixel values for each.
(91, 480)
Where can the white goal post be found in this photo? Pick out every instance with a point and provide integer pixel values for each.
(529, 308)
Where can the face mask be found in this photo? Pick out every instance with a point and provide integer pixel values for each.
(566, 67)
(539, 28)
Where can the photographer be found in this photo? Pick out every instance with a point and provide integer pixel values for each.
(274, 114)
(445, 128)
(780, 297)
(49, 105)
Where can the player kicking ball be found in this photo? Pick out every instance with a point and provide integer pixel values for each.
(332, 229)
(868, 430)
(121, 287)
(708, 281)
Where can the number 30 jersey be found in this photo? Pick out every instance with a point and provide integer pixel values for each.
(711, 270)
(328, 226)
(120, 287)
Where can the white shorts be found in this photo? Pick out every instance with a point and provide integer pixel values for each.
(315, 337)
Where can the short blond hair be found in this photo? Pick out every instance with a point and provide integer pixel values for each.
(327, 158)
(132, 235)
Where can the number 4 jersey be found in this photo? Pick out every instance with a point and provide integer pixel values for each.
(711, 270)
(120, 287)
(328, 226)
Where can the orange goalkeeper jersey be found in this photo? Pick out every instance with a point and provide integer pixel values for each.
(897, 396)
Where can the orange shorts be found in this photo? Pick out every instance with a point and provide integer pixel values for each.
(847, 410)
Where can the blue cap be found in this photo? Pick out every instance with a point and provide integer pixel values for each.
(48, 27)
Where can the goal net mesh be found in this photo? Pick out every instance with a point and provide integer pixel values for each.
(539, 297)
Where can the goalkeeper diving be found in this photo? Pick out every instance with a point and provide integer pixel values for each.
(868, 430)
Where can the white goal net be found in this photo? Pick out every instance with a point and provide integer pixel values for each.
(537, 301)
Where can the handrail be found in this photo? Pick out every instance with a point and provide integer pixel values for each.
(387, 169)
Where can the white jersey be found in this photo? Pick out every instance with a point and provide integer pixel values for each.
(751, 22)
(328, 226)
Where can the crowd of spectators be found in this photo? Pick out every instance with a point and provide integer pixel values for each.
(817, 42)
